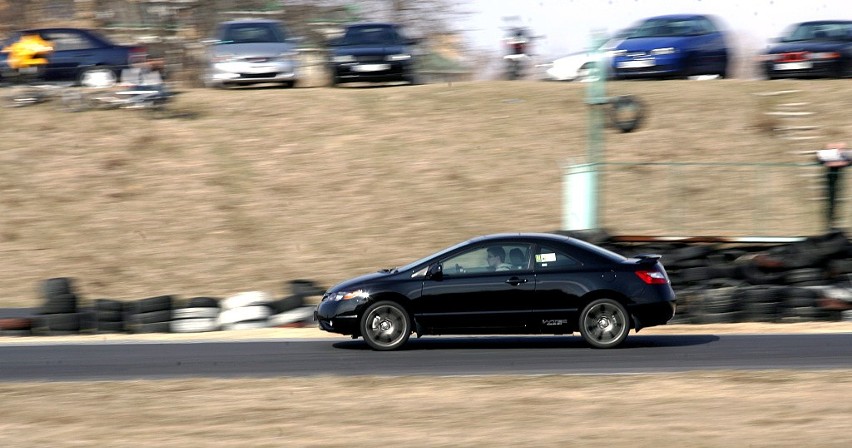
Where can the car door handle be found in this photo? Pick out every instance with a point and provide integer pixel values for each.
(515, 281)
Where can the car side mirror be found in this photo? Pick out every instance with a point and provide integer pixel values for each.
(435, 272)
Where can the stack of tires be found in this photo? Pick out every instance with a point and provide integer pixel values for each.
(290, 312)
(58, 314)
(149, 315)
(245, 311)
(197, 315)
(109, 316)
(293, 310)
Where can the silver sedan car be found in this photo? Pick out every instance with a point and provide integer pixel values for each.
(251, 52)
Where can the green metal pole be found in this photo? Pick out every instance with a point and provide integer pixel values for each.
(580, 186)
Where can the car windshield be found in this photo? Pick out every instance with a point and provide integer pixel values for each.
(371, 35)
(242, 33)
(416, 263)
(669, 28)
(820, 31)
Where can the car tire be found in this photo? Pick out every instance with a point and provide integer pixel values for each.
(634, 110)
(604, 323)
(99, 76)
(385, 325)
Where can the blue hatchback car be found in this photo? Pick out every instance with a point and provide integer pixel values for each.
(80, 56)
(672, 46)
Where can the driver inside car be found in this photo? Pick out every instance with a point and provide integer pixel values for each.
(496, 258)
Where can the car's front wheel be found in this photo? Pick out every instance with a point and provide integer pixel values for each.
(385, 325)
(604, 323)
(97, 77)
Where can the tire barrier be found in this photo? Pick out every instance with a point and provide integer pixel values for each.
(60, 313)
(16, 326)
(720, 282)
(109, 316)
(149, 315)
(715, 282)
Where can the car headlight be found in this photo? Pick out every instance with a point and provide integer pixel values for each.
(615, 53)
(349, 295)
(399, 57)
(662, 51)
(222, 58)
(343, 59)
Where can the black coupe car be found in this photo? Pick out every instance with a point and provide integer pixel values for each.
(819, 49)
(520, 283)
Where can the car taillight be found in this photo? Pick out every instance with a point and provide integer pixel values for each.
(137, 55)
(653, 277)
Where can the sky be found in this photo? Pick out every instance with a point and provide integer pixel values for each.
(566, 26)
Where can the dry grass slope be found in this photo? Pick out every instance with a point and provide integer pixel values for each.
(244, 189)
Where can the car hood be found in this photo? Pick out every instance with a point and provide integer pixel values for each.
(365, 50)
(265, 49)
(650, 43)
(808, 46)
(360, 281)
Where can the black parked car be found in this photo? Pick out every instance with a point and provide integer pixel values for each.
(371, 52)
(811, 50)
(522, 283)
(83, 57)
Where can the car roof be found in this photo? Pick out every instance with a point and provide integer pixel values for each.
(520, 235)
(372, 24)
(55, 28)
(820, 22)
(241, 21)
(677, 17)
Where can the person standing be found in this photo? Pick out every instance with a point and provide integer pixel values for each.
(834, 157)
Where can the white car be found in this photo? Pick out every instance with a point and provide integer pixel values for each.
(576, 66)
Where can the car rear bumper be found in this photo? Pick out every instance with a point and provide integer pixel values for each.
(652, 314)
(815, 69)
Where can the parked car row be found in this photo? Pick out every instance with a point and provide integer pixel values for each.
(685, 45)
(242, 52)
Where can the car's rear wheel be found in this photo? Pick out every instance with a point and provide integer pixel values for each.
(604, 323)
(97, 77)
(385, 325)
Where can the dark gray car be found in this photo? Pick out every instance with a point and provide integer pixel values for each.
(371, 52)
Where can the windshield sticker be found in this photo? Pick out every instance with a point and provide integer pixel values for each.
(545, 258)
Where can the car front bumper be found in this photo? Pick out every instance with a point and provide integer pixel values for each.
(241, 72)
(372, 72)
(338, 316)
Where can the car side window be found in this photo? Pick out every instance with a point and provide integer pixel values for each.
(493, 257)
(547, 259)
(62, 41)
(469, 262)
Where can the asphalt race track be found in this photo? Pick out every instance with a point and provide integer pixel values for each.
(427, 356)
